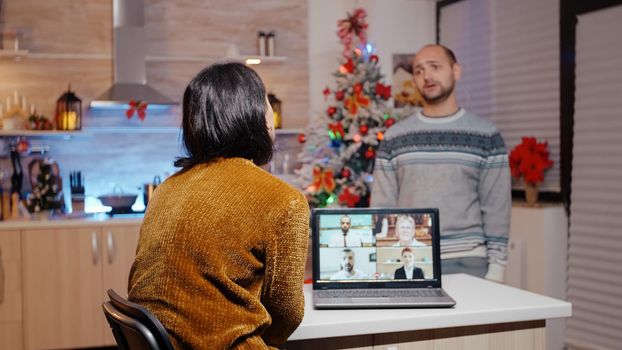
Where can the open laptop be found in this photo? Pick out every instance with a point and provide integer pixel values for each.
(387, 258)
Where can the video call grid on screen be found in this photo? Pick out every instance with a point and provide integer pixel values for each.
(376, 247)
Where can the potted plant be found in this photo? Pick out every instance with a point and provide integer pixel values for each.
(529, 160)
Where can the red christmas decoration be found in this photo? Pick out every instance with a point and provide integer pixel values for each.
(339, 95)
(373, 58)
(331, 111)
(349, 198)
(139, 107)
(380, 136)
(348, 67)
(389, 122)
(370, 153)
(323, 179)
(383, 91)
(337, 131)
(302, 138)
(358, 88)
(353, 102)
(530, 159)
(326, 92)
(363, 129)
(353, 25)
(345, 172)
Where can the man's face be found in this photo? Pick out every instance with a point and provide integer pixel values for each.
(347, 261)
(345, 224)
(434, 75)
(405, 230)
(408, 258)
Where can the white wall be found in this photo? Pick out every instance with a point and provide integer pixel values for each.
(395, 26)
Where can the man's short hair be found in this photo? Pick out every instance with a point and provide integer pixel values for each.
(347, 217)
(406, 250)
(450, 54)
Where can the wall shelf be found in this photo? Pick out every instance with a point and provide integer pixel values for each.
(13, 54)
(288, 131)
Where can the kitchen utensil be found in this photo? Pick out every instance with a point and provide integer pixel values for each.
(18, 176)
(76, 181)
(149, 188)
(118, 200)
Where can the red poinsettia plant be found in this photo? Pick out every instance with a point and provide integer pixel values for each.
(529, 160)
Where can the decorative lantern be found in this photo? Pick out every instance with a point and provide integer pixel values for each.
(69, 111)
(276, 107)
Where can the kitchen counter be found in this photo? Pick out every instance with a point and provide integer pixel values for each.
(478, 302)
(100, 219)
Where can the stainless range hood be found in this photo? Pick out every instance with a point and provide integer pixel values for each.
(130, 78)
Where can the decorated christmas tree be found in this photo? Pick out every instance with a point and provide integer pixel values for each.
(46, 194)
(339, 145)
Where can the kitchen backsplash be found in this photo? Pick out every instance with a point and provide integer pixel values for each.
(127, 157)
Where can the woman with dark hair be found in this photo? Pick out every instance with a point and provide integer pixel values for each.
(222, 248)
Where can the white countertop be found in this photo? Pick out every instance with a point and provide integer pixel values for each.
(100, 219)
(478, 302)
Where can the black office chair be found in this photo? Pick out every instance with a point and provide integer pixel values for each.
(133, 326)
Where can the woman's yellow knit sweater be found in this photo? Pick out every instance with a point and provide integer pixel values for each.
(221, 255)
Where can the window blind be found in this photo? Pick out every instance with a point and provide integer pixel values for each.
(594, 258)
(509, 52)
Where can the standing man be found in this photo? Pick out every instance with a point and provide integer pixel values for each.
(448, 158)
(346, 267)
(344, 239)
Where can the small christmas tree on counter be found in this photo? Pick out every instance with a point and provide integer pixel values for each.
(340, 144)
(46, 193)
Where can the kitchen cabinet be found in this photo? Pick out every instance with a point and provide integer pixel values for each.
(11, 336)
(66, 272)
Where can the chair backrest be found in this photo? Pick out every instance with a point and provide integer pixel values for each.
(133, 326)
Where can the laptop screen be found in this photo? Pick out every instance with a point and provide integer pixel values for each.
(393, 247)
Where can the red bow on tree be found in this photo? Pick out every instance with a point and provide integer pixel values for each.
(353, 25)
(139, 107)
(323, 179)
(353, 102)
(349, 198)
(383, 91)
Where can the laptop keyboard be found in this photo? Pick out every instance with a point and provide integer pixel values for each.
(380, 293)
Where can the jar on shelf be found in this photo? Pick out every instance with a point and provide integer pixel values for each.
(261, 43)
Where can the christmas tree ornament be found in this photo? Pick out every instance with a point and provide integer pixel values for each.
(301, 138)
(339, 95)
(389, 122)
(345, 172)
(349, 198)
(380, 136)
(326, 92)
(331, 111)
(370, 153)
(364, 129)
(373, 58)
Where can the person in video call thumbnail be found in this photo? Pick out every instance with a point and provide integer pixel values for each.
(409, 270)
(345, 239)
(347, 271)
(405, 228)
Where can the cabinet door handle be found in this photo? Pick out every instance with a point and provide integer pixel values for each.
(95, 247)
(111, 247)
